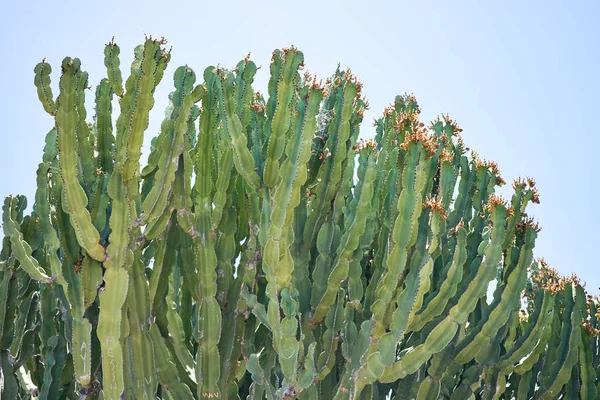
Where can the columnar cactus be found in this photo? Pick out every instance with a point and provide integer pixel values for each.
(264, 251)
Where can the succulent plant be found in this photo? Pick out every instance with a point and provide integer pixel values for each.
(265, 251)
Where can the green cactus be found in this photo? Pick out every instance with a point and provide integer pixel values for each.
(264, 251)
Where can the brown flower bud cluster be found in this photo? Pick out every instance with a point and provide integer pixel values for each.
(458, 227)
(527, 223)
(365, 144)
(362, 104)
(493, 201)
(490, 165)
(387, 112)
(258, 104)
(436, 206)
(446, 156)
(528, 182)
(349, 77)
(547, 278)
(461, 145)
(419, 133)
(449, 121)
(311, 80)
(587, 326)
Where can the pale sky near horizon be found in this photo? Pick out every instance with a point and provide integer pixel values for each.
(521, 79)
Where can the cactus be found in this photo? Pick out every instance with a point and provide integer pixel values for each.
(265, 251)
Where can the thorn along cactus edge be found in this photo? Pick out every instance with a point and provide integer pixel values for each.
(265, 252)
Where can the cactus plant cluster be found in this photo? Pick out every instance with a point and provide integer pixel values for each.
(264, 251)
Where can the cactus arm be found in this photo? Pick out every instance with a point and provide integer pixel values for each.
(208, 311)
(230, 343)
(158, 226)
(104, 145)
(49, 386)
(257, 308)
(85, 138)
(226, 254)
(109, 330)
(258, 376)
(91, 279)
(509, 301)
(282, 116)
(100, 204)
(594, 314)
(112, 64)
(325, 248)
(347, 388)
(462, 198)
(74, 199)
(445, 330)
(119, 221)
(572, 388)
(186, 254)
(243, 93)
(116, 279)
(10, 386)
(68, 239)
(435, 342)
(155, 203)
(487, 271)
(382, 245)
(166, 370)
(409, 210)
(330, 337)
(526, 344)
(330, 172)
(42, 209)
(20, 247)
(409, 299)
(349, 243)
(147, 80)
(430, 387)
(48, 338)
(104, 137)
(567, 352)
(127, 106)
(287, 194)
(308, 374)
(587, 375)
(257, 128)
(162, 267)
(23, 330)
(206, 140)
(526, 364)
(182, 190)
(221, 192)
(277, 60)
(234, 131)
(184, 79)
(356, 279)
(286, 344)
(81, 327)
(8, 294)
(42, 82)
(448, 288)
(143, 370)
(516, 201)
(177, 338)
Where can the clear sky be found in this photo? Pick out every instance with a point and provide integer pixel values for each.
(520, 77)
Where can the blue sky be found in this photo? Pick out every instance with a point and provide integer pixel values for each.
(520, 77)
